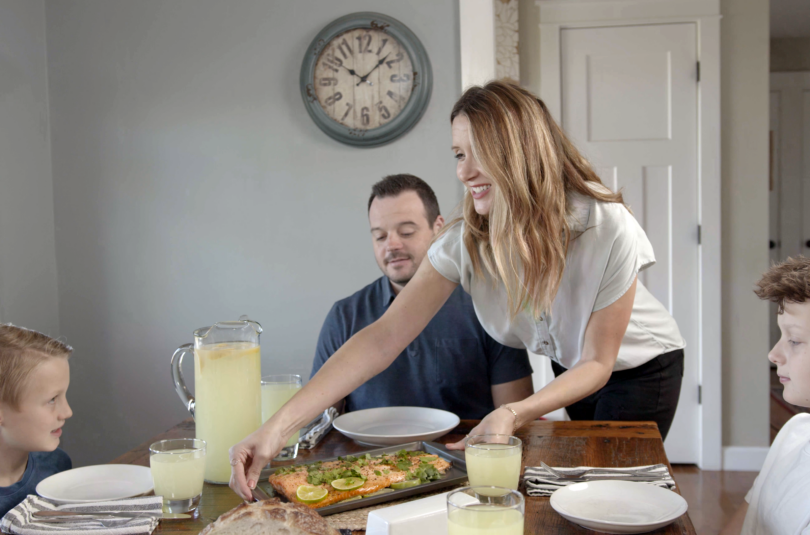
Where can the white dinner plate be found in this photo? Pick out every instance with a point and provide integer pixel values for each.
(97, 483)
(388, 426)
(618, 506)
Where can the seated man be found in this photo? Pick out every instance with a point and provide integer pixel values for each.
(779, 501)
(454, 364)
(34, 378)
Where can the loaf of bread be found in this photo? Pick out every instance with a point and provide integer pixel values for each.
(269, 517)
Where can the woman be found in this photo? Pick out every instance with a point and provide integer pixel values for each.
(550, 257)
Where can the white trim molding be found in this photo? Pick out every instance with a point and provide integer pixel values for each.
(568, 11)
(556, 15)
(744, 459)
(477, 34)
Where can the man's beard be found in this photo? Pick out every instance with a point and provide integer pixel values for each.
(400, 279)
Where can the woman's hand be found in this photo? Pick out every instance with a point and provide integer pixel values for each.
(497, 422)
(251, 455)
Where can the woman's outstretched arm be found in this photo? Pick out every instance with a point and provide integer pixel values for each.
(366, 354)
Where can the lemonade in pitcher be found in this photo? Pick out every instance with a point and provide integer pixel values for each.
(222, 416)
(227, 405)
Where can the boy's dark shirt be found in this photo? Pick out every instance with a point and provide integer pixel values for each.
(451, 365)
(41, 464)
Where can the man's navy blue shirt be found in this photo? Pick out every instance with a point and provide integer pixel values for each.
(451, 365)
(41, 464)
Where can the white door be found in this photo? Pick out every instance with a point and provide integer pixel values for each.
(790, 169)
(629, 103)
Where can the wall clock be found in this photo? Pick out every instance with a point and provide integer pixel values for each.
(366, 79)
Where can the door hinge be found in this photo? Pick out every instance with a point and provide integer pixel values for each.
(698, 71)
(700, 238)
(700, 395)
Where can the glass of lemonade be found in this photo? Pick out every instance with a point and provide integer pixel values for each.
(178, 470)
(493, 460)
(485, 510)
(276, 391)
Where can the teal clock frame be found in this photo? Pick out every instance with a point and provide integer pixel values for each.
(420, 94)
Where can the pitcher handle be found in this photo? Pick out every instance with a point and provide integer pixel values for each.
(177, 377)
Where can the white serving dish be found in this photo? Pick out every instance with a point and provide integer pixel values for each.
(97, 483)
(618, 506)
(388, 426)
(427, 516)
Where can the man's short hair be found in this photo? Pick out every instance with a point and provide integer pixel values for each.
(787, 282)
(393, 185)
(21, 351)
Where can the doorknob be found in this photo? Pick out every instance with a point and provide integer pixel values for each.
(772, 244)
(807, 243)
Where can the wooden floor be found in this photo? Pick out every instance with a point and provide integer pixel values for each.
(713, 497)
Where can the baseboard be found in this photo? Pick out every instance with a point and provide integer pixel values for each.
(744, 459)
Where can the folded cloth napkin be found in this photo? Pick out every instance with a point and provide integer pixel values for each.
(20, 522)
(540, 482)
(316, 430)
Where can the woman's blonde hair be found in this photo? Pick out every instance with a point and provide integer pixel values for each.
(524, 239)
(21, 351)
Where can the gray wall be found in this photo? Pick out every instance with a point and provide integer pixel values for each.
(745, 83)
(792, 54)
(193, 187)
(28, 292)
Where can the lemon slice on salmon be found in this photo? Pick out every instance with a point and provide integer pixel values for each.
(348, 483)
(311, 494)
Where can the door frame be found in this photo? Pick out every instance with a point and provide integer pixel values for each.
(556, 15)
(793, 83)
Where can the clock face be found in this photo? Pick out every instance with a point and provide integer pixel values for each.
(363, 78)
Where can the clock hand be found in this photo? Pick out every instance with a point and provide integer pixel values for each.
(351, 71)
(363, 79)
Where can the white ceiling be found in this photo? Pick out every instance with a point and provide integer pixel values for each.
(790, 18)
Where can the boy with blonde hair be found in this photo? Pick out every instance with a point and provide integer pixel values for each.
(34, 378)
(779, 501)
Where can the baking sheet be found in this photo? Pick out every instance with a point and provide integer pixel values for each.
(456, 474)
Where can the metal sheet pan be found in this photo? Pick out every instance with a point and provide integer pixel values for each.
(455, 475)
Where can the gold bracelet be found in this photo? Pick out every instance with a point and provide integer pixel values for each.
(510, 409)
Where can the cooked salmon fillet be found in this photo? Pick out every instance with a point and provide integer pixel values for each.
(287, 483)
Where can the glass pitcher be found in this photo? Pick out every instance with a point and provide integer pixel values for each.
(227, 377)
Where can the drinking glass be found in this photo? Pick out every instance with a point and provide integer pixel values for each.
(485, 510)
(493, 460)
(178, 470)
(276, 391)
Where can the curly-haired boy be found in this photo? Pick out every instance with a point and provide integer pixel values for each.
(779, 501)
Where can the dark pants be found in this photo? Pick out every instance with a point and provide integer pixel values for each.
(649, 392)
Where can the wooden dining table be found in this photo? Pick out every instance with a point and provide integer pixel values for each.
(583, 443)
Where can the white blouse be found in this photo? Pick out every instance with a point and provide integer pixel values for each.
(603, 260)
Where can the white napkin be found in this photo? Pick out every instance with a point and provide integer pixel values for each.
(540, 482)
(20, 522)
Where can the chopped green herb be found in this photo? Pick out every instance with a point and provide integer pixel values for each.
(403, 465)
(377, 473)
